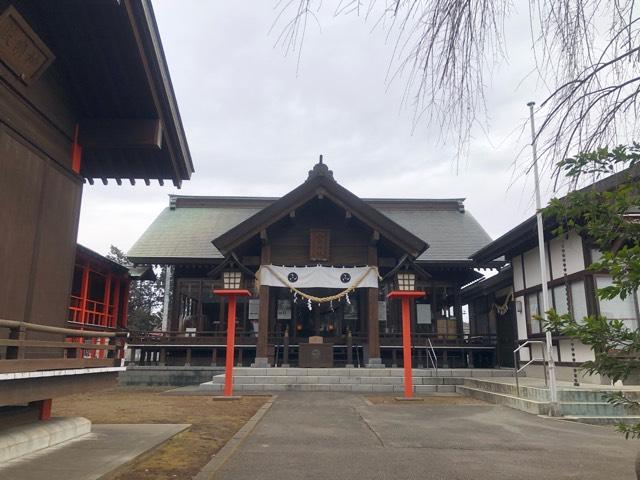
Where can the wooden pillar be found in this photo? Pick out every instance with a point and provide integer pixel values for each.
(84, 293)
(125, 303)
(457, 309)
(373, 324)
(262, 347)
(316, 320)
(188, 361)
(116, 303)
(17, 352)
(240, 350)
(44, 408)
(214, 357)
(285, 348)
(105, 302)
(163, 357)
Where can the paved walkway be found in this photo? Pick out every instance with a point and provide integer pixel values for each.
(332, 435)
(90, 456)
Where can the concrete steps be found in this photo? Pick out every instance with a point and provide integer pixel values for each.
(519, 403)
(601, 420)
(583, 405)
(361, 380)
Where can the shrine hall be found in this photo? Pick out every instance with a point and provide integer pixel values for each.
(318, 263)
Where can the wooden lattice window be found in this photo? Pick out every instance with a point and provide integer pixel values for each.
(319, 245)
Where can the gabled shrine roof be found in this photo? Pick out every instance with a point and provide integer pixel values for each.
(320, 183)
(183, 232)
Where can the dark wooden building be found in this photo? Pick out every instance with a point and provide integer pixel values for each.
(319, 223)
(85, 95)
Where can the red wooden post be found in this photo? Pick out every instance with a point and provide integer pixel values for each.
(125, 303)
(406, 348)
(76, 152)
(404, 296)
(105, 302)
(231, 335)
(116, 304)
(45, 409)
(84, 293)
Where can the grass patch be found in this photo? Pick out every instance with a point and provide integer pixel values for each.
(213, 424)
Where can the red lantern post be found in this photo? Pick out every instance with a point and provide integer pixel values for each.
(232, 295)
(404, 296)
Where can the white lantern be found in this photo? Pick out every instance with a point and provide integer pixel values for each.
(406, 281)
(231, 280)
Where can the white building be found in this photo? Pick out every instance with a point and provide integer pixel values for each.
(571, 285)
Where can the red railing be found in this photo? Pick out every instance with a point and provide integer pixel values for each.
(94, 313)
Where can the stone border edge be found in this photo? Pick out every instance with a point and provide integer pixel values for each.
(227, 451)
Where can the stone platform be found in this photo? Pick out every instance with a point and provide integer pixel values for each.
(360, 380)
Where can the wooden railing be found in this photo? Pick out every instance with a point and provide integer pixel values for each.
(249, 338)
(105, 349)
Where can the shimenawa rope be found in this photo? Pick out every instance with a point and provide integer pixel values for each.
(330, 298)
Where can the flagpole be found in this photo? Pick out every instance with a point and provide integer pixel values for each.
(551, 367)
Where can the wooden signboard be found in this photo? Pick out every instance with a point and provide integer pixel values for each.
(21, 50)
(319, 243)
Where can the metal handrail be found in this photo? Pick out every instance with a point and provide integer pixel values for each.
(431, 354)
(516, 361)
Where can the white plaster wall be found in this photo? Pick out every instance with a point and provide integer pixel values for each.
(583, 352)
(565, 374)
(516, 265)
(521, 319)
(532, 268)
(536, 351)
(574, 254)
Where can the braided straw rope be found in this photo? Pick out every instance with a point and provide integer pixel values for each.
(504, 308)
(330, 298)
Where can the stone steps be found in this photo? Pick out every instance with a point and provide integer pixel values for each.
(327, 387)
(374, 380)
(526, 405)
(574, 403)
(328, 380)
(603, 420)
(371, 372)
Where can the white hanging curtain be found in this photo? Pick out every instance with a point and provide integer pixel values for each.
(319, 276)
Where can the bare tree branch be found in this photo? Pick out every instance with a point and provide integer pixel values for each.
(445, 51)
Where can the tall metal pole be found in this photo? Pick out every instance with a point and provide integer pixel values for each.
(553, 387)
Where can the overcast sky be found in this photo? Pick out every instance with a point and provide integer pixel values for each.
(255, 125)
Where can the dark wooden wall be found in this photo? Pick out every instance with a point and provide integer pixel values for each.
(289, 239)
(39, 198)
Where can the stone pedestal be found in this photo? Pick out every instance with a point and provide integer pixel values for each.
(375, 363)
(261, 362)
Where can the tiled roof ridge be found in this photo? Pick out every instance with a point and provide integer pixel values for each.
(177, 201)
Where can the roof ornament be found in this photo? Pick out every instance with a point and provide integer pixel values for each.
(320, 169)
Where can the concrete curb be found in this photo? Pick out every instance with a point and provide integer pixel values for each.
(220, 458)
(23, 440)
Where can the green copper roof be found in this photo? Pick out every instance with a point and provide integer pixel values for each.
(183, 232)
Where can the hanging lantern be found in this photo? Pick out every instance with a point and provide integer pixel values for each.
(232, 280)
(406, 281)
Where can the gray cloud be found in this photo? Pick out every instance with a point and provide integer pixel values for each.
(255, 126)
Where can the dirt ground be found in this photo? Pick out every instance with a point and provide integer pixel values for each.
(213, 423)
(430, 400)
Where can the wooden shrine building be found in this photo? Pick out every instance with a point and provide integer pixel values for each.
(319, 262)
(85, 95)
